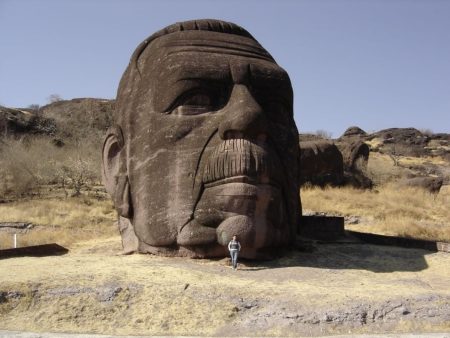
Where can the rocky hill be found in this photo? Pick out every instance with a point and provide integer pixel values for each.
(78, 117)
(55, 145)
(419, 157)
(64, 119)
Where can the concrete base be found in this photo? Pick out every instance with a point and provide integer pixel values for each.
(324, 228)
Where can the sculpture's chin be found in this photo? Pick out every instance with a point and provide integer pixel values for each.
(252, 212)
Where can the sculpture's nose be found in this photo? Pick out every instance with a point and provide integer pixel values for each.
(243, 116)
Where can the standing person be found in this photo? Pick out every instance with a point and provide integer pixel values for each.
(234, 247)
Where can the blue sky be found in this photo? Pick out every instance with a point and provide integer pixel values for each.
(376, 64)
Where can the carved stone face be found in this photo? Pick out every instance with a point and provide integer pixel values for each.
(209, 148)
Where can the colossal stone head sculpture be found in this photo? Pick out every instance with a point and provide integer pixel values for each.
(204, 145)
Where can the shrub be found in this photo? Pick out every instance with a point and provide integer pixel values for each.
(28, 163)
(324, 134)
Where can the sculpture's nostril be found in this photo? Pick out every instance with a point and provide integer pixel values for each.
(233, 134)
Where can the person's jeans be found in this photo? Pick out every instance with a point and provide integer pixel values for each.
(234, 257)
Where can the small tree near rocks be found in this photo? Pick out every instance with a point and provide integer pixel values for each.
(324, 134)
(54, 98)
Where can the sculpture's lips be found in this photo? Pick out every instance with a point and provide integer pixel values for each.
(240, 160)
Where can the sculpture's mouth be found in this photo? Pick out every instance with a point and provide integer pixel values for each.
(242, 195)
(241, 179)
(241, 161)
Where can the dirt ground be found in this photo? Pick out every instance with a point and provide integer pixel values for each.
(336, 289)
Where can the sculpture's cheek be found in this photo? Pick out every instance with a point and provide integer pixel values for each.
(162, 172)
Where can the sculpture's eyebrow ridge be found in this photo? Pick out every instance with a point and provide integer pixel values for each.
(232, 45)
(218, 46)
(225, 74)
(220, 51)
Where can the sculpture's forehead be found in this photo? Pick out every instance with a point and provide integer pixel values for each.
(178, 62)
(210, 55)
(222, 44)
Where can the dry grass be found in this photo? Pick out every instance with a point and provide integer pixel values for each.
(28, 164)
(411, 160)
(389, 210)
(180, 296)
(65, 221)
(381, 169)
(375, 143)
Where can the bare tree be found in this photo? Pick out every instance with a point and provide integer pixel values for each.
(393, 152)
(324, 134)
(54, 98)
(34, 107)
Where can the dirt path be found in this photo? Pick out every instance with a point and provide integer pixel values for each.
(338, 289)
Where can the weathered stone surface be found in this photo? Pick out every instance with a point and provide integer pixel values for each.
(431, 184)
(354, 153)
(204, 145)
(407, 136)
(321, 163)
(401, 141)
(353, 131)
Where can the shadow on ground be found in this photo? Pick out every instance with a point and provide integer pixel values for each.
(375, 258)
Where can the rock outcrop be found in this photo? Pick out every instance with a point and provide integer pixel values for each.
(431, 184)
(354, 153)
(321, 163)
(24, 121)
(354, 131)
(62, 119)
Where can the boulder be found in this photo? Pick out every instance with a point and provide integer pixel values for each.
(321, 163)
(354, 152)
(402, 142)
(409, 136)
(431, 184)
(354, 131)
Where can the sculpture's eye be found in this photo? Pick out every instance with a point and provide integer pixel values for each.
(199, 101)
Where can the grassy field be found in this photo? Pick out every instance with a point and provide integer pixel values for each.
(388, 210)
(62, 220)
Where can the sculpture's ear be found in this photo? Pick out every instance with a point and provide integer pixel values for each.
(114, 171)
